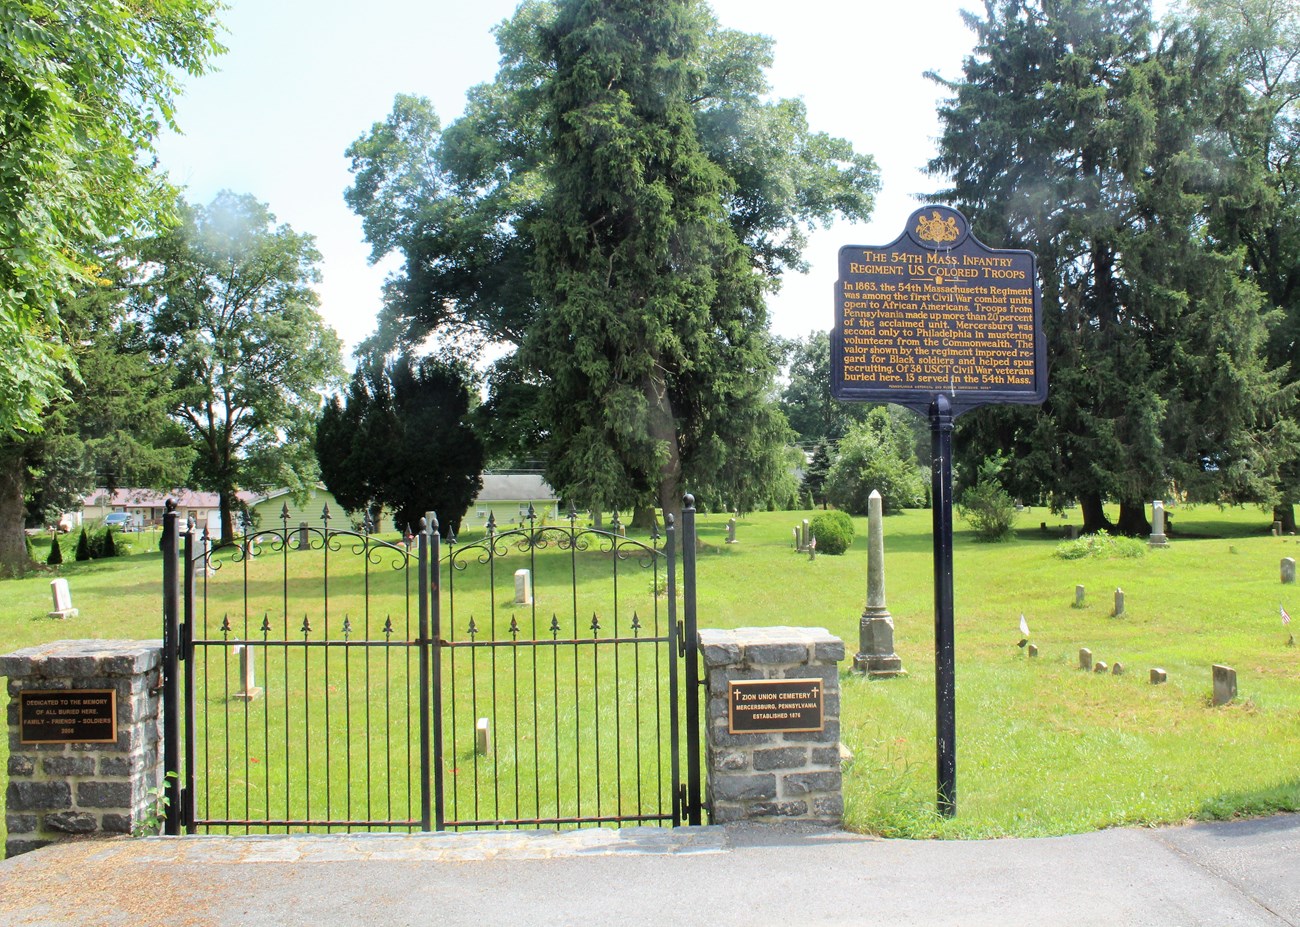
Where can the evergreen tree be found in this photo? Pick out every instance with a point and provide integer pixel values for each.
(83, 547)
(107, 546)
(814, 478)
(634, 134)
(56, 554)
(402, 440)
(1082, 134)
(1261, 158)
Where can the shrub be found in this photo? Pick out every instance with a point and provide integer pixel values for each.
(56, 555)
(876, 454)
(833, 531)
(83, 547)
(107, 547)
(990, 510)
(1101, 545)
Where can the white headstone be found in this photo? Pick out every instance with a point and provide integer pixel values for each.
(1119, 603)
(523, 588)
(1158, 538)
(250, 688)
(62, 599)
(482, 738)
(1288, 569)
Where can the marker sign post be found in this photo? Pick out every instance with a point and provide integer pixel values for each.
(940, 323)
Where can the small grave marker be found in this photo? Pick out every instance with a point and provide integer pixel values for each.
(1288, 570)
(523, 588)
(250, 688)
(1117, 669)
(482, 738)
(62, 599)
(1119, 604)
(1099, 667)
(1085, 658)
(731, 531)
(1225, 684)
(1158, 676)
(1078, 596)
(1033, 651)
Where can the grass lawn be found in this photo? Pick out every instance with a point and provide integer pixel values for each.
(1042, 748)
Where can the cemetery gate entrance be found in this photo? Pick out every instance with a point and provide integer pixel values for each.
(318, 678)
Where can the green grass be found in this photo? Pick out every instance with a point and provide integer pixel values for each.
(1042, 748)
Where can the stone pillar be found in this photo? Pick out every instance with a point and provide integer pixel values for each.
(1158, 538)
(773, 775)
(58, 790)
(876, 656)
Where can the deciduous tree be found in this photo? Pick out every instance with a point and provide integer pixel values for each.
(85, 86)
(227, 303)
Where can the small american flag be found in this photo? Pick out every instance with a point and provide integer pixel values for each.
(1286, 619)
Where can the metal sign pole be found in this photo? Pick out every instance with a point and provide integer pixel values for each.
(945, 689)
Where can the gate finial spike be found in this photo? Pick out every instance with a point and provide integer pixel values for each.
(491, 523)
(284, 513)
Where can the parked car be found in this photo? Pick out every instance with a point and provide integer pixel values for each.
(120, 520)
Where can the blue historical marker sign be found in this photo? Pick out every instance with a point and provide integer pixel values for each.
(937, 312)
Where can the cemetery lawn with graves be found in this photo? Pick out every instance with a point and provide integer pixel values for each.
(1043, 748)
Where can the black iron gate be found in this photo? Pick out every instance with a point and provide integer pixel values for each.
(317, 678)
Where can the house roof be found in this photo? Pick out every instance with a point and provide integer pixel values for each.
(154, 498)
(515, 487)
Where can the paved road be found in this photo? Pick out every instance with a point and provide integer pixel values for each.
(1240, 873)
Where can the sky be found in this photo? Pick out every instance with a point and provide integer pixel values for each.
(302, 80)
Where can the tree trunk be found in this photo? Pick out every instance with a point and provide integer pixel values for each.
(1094, 515)
(227, 517)
(1285, 513)
(663, 429)
(645, 518)
(13, 515)
(1133, 520)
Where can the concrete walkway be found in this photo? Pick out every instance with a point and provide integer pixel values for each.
(1245, 873)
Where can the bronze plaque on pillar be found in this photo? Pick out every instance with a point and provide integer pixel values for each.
(67, 716)
(758, 706)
